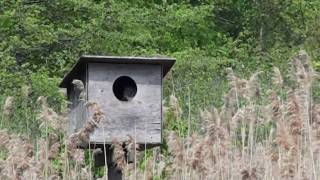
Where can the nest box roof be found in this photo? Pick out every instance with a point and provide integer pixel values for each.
(80, 66)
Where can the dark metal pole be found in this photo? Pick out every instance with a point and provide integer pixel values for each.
(113, 172)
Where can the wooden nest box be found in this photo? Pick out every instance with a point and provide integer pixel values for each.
(129, 91)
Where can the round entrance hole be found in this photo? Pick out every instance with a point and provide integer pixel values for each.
(124, 88)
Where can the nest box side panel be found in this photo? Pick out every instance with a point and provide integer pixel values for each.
(77, 97)
(133, 111)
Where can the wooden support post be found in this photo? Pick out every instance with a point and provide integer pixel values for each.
(113, 172)
(99, 160)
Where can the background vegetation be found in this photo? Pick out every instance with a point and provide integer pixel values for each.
(41, 40)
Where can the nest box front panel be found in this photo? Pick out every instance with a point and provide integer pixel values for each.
(130, 95)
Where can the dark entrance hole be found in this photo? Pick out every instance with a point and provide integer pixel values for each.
(124, 88)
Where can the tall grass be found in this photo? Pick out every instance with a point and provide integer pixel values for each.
(256, 134)
(234, 145)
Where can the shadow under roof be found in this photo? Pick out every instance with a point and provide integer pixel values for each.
(80, 66)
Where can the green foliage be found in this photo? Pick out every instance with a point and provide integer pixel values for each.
(43, 85)
(41, 40)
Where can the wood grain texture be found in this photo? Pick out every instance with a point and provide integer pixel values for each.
(78, 114)
(139, 118)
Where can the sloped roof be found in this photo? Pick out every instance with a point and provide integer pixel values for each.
(80, 65)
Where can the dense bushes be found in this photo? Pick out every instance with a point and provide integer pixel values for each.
(41, 40)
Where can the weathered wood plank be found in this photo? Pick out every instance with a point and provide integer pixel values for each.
(139, 118)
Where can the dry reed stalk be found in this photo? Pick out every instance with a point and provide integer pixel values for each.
(22, 162)
(19, 159)
(197, 158)
(4, 138)
(81, 138)
(174, 105)
(284, 153)
(176, 147)
(8, 105)
(252, 88)
(49, 117)
(277, 78)
(277, 107)
(25, 91)
(118, 155)
(291, 150)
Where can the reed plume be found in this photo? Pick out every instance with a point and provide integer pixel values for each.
(8, 105)
(275, 138)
